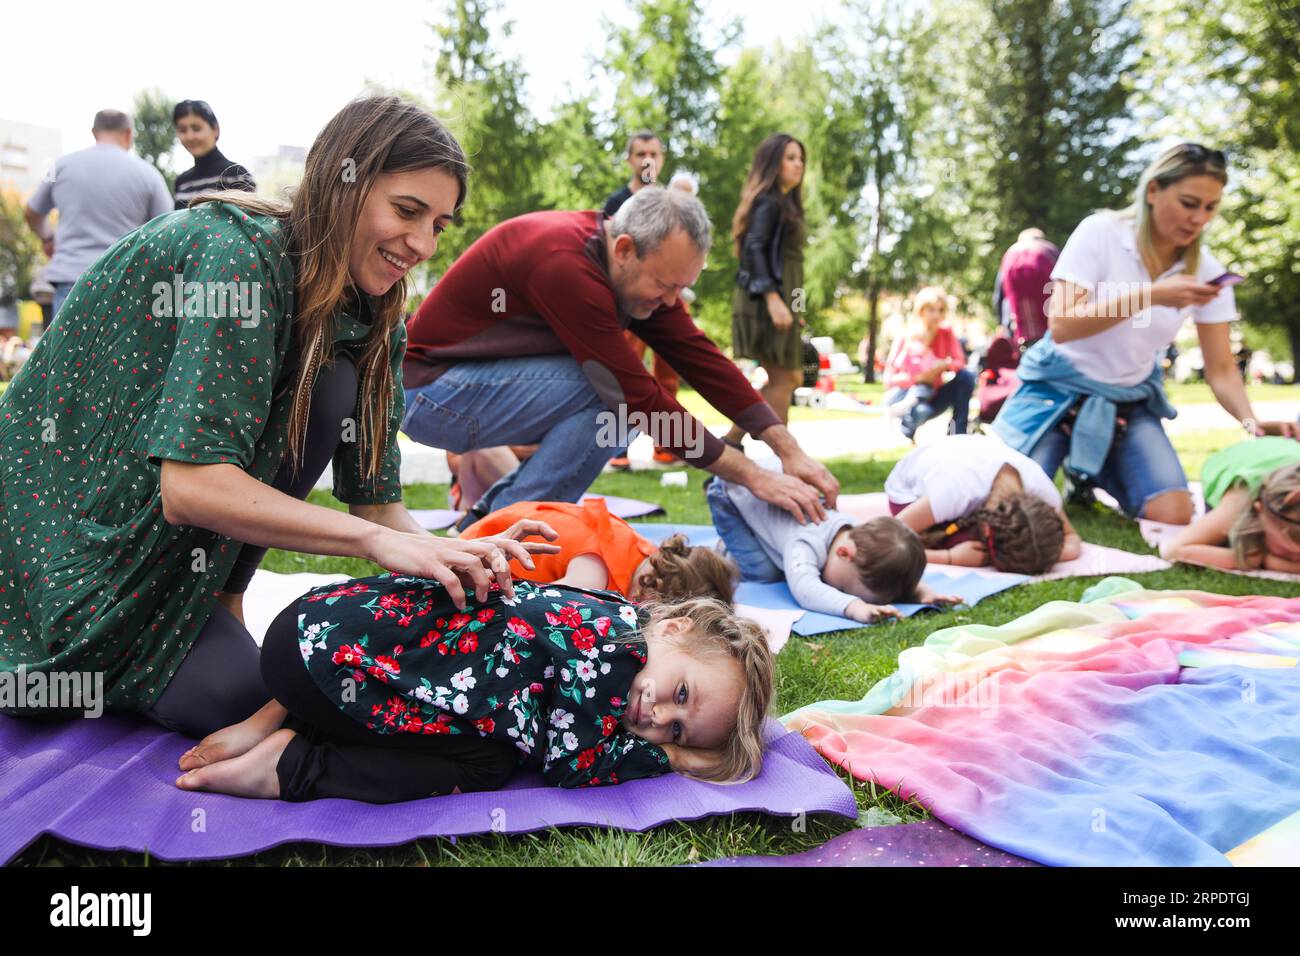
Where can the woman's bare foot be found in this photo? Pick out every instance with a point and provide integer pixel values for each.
(229, 742)
(249, 775)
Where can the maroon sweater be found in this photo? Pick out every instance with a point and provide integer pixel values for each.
(539, 285)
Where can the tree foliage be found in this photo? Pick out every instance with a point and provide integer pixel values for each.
(155, 133)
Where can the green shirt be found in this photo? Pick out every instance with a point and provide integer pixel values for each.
(1247, 463)
(92, 578)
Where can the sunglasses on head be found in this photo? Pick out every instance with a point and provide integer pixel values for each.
(1200, 154)
(1286, 519)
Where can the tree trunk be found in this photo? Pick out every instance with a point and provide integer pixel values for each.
(873, 330)
(1293, 333)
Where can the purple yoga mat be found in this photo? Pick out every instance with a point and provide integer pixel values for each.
(930, 843)
(107, 783)
(435, 519)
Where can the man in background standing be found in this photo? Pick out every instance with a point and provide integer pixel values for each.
(645, 157)
(102, 193)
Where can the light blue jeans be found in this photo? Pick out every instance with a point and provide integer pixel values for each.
(738, 539)
(1141, 465)
(544, 400)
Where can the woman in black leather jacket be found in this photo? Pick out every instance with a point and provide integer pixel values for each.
(768, 230)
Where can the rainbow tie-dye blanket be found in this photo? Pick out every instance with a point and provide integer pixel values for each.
(1133, 728)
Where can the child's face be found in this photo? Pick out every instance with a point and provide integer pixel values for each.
(933, 315)
(842, 574)
(680, 699)
(1279, 537)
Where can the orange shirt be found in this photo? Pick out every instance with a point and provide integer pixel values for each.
(584, 528)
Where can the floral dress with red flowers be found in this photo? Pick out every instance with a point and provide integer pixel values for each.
(548, 671)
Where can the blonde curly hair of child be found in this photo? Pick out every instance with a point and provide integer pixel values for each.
(718, 632)
(1279, 496)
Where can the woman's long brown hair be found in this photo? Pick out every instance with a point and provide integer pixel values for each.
(369, 136)
(763, 174)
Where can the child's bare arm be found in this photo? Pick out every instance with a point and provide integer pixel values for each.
(860, 610)
(1273, 563)
(927, 595)
(1203, 541)
(1073, 546)
(586, 571)
(919, 517)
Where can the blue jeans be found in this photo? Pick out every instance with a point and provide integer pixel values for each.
(61, 290)
(1141, 465)
(544, 400)
(954, 394)
(740, 543)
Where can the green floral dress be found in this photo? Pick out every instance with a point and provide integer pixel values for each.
(92, 578)
(548, 672)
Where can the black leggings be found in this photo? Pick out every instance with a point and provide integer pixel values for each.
(219, 682)
(335, 756)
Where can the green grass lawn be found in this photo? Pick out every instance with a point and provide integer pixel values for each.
(842, 665)
(1197, 393)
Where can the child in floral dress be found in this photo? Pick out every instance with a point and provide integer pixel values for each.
(384, 691)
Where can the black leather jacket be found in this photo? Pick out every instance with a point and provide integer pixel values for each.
(760, 248)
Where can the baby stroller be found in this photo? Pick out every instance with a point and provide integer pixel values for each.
(997, 379)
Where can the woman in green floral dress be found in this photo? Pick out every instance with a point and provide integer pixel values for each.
(189, 393)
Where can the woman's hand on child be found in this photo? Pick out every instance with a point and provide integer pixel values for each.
(786, 491)
(860, 610)
(458, 563)
(528, 528)
(969, 554)
(694, 760)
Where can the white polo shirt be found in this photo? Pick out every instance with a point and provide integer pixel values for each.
(1102, 256)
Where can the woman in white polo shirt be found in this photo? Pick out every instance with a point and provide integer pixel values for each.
(1092, 394)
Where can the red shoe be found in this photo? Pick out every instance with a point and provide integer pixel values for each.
(620, 464)
(665, 457)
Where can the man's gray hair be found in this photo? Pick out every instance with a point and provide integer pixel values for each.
(111, 121)
(654, 213)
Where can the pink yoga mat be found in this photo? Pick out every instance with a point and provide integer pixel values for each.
(1095, 559)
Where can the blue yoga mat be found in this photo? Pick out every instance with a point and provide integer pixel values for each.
(107, 783)
(972, 587)
(695, 533)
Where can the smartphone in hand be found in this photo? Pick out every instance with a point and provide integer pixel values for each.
(1227, 279)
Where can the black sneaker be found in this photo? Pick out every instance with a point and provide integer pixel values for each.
(1078, 489)
(474, 514)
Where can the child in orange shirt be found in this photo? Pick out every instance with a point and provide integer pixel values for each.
(602, 552)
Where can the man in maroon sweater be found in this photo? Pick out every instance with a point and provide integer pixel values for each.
(522, 342)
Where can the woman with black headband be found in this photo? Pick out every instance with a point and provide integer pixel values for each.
(197, 127)
(1092, 392)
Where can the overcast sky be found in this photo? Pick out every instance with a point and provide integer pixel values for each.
(276, 70)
